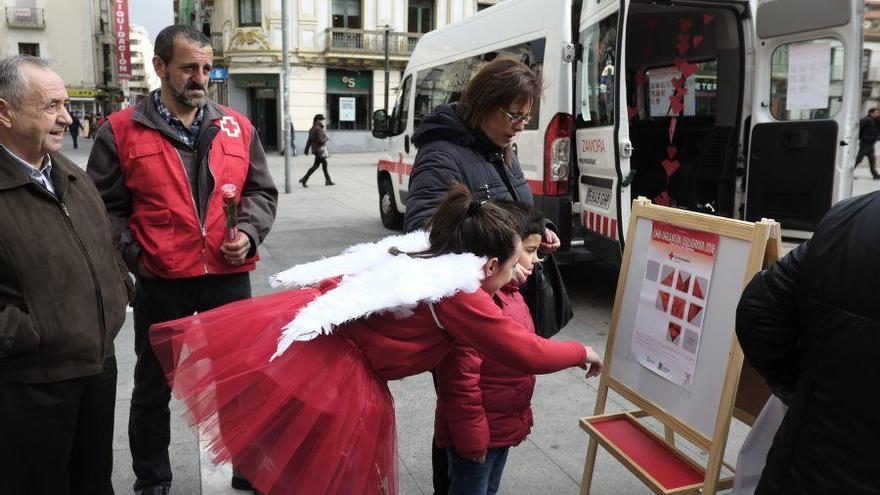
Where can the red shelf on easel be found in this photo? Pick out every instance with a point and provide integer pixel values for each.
(646, 450)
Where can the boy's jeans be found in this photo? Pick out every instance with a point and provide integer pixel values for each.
(466, 477)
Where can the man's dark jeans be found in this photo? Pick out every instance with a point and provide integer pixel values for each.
(156, 300)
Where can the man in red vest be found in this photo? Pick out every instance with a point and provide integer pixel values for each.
(160, 167)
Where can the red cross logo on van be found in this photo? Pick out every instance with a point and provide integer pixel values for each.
(230, 127)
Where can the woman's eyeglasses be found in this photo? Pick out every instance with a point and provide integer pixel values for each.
(516, 118)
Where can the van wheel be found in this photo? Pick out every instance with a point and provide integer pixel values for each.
(391, 216)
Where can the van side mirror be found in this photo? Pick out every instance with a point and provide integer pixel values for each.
(380, 124)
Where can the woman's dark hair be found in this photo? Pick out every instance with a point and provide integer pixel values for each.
(498, 84)
(530, 221)
(465, 224)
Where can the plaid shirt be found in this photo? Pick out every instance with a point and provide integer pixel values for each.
(188, 136)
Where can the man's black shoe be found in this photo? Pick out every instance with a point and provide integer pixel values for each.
(241, 483)
(303, 182)
(329, 183)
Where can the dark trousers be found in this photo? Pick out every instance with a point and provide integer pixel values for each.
(74, 136)
(57, 438)
(439, 460)
(867, 150)
(156, 300)
(318, 161)
(467, 477)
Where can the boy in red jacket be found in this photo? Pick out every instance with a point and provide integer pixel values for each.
(483, 407)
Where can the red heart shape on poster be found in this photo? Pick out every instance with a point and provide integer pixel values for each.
(687, 69)
(673, 123)
(675, 104)
(632, 111)
(697, 40)
(662, 199)
(674, 331)
(670, 166)
(652, 24)
(671, 151)
(707, 18)
(678, 82)
(640, 78)
(685, 24)
(682, 47)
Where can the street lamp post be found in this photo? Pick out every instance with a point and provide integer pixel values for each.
(285, 92)
(387, 32)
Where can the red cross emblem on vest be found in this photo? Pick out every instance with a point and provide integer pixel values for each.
(230, 127)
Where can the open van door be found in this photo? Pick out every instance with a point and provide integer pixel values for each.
(602, 148)
(804, 123)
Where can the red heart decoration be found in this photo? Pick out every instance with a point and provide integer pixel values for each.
(678, 82)
(640, 78)
(687, 69)
(675, 104)
(682, 47)
(671, 151)
(674, 331)
(662, 199)
(707, 18)
(678, 61)
(697, 40)
(632, 111)
(673, 123)
(652, 24)
(670, 166)
(685, 24)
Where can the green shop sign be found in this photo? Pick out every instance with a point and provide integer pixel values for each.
(349, 82)
(255, 80)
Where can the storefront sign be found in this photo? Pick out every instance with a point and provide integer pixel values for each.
(339, 81)
(219, 74)
(255, 80)
(346, 109)
(81, 93)
(120, 30)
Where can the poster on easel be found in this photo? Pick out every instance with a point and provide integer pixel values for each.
(672, 303)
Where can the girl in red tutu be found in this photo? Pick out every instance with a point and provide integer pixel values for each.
(292, 387)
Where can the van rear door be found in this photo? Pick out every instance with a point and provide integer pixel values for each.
(804, 129)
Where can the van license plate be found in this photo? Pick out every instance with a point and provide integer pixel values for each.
(599, 197)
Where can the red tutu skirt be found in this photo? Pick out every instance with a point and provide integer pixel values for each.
(317, 420)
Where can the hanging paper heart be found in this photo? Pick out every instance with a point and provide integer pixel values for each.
(678, 61)
(652, 24)
(671, 151)
(707, 18)
(697, 40)
(685, 24)
(632, 111)
(675, 104)
(670, 166)
(678, 82)
(673, 123)
(662, 199)
(640, 78)
(682, 47)
(687, 69)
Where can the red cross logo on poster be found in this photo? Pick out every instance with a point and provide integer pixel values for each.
(230, 127)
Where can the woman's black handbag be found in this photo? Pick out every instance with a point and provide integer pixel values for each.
(547, 298)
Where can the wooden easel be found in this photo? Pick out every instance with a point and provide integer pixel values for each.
(623, 434)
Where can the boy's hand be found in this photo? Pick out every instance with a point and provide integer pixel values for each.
(550, 242)
(594, 362)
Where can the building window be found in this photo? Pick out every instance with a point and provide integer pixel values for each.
(421, 16)
(29, 49)
(347, 14)
(249, 13)
(349, 99)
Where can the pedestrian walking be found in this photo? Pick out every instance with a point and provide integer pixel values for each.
(160, 167)
(93, 125)
(869, 131)
(470, 142)
(63, 292)
(317, 143)
(810, 325)
(74, 128)
(308, 405)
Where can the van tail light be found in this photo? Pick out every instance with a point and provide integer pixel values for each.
(557, 151)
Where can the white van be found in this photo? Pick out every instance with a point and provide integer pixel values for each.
(767, 125)
(740, 108)
(536, 32)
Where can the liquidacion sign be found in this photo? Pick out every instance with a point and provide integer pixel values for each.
(120, 31)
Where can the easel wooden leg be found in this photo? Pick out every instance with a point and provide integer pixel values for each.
(589, 464)
(670, 434)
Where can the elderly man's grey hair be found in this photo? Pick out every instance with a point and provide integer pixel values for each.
(13, 87)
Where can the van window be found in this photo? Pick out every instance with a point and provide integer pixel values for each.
(445, 83)
(700, 98)
(401, 108)
(596, 91)
(806, 80)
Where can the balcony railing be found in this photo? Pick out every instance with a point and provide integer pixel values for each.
(370, 42)
(25, 17)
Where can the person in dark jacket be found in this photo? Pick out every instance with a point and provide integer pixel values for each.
(63, 292)
(810, 325)
(317, 143)
(74, 128)
(869, 131)
(470, 142)
(163, 169)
